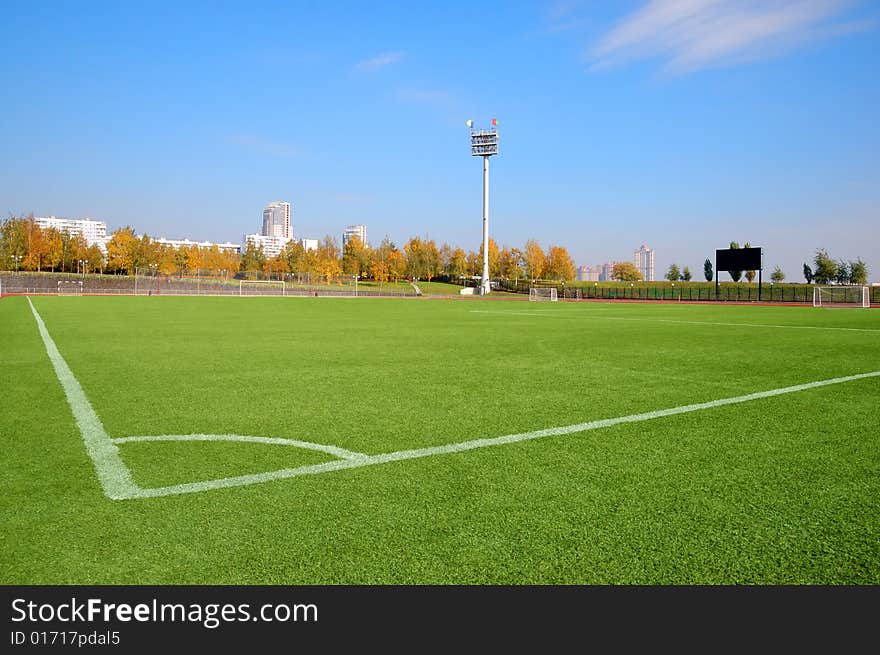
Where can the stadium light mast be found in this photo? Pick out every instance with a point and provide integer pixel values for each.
(484, 143)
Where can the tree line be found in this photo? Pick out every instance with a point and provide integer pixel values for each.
(25, 246)
(825, 270)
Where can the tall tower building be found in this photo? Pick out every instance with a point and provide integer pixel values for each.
(276, 220)
(643, 258)
(359, 231)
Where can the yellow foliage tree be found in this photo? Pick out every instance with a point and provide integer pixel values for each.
(559, 265)
(534, 260)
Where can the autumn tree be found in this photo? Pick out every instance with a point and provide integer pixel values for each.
(53, 248)
(355, 256)
(327, 261)
(777, 276)
(422, 258)
(120, 249)
(560, 265)
(510, 263)
(626, 272)
(458, 264)
(13, 242)
(534, 260)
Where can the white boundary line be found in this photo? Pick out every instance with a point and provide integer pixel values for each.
(557, 314)
(116, 479)
(342, 453)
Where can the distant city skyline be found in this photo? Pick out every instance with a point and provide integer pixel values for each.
(679, 124)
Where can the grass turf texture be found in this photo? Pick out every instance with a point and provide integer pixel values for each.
(782, 490)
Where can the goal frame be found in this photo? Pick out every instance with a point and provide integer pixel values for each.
(546, 294)
(256, 284)
(848, 296)
(69, 288)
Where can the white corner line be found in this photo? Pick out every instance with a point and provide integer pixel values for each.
(113, 474)
(116, 479)
(417, 453)
(336, 451)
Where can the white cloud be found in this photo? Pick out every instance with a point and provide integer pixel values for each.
(695, 34)
(379, 61)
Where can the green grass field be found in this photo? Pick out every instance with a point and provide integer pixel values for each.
(774, 490)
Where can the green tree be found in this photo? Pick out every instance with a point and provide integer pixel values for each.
(808, 273)
(858, 272)
(824, 268)
(626, 272)
(842, 276)
(777, 276)
(354, 254)
(735, 275)
(750, 275)
(686, 274)
(707, 270)
(252, 259)
(673, 274)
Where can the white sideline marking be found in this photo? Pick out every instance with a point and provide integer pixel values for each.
(275, 441)
(113, 474)
(116, 479)
(671, 320)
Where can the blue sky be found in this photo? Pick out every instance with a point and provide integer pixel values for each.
(683, 124)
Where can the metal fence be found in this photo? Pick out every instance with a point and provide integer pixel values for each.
(165, 285)
(782, 293)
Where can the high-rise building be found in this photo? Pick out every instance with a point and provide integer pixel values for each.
(355, 230)
(276, 220)
(203, 245)
(271, 246)
(643, 258)
(606, 271)
(588, 273)
(94, 232)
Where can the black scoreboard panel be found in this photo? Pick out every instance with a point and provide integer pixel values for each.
(738, 259)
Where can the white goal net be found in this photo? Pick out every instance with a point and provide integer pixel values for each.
(70, 288)
(537, 294)
(843, 296)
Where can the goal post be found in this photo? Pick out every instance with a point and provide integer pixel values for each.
(262, 288)
(842, 296)
(70, 288)
(545, 294)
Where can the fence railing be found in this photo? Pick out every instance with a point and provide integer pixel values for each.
(783, 293)
(162, 285)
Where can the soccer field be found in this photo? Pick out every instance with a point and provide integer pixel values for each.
(158, 440)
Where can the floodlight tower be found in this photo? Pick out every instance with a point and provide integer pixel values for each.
(484, 143)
